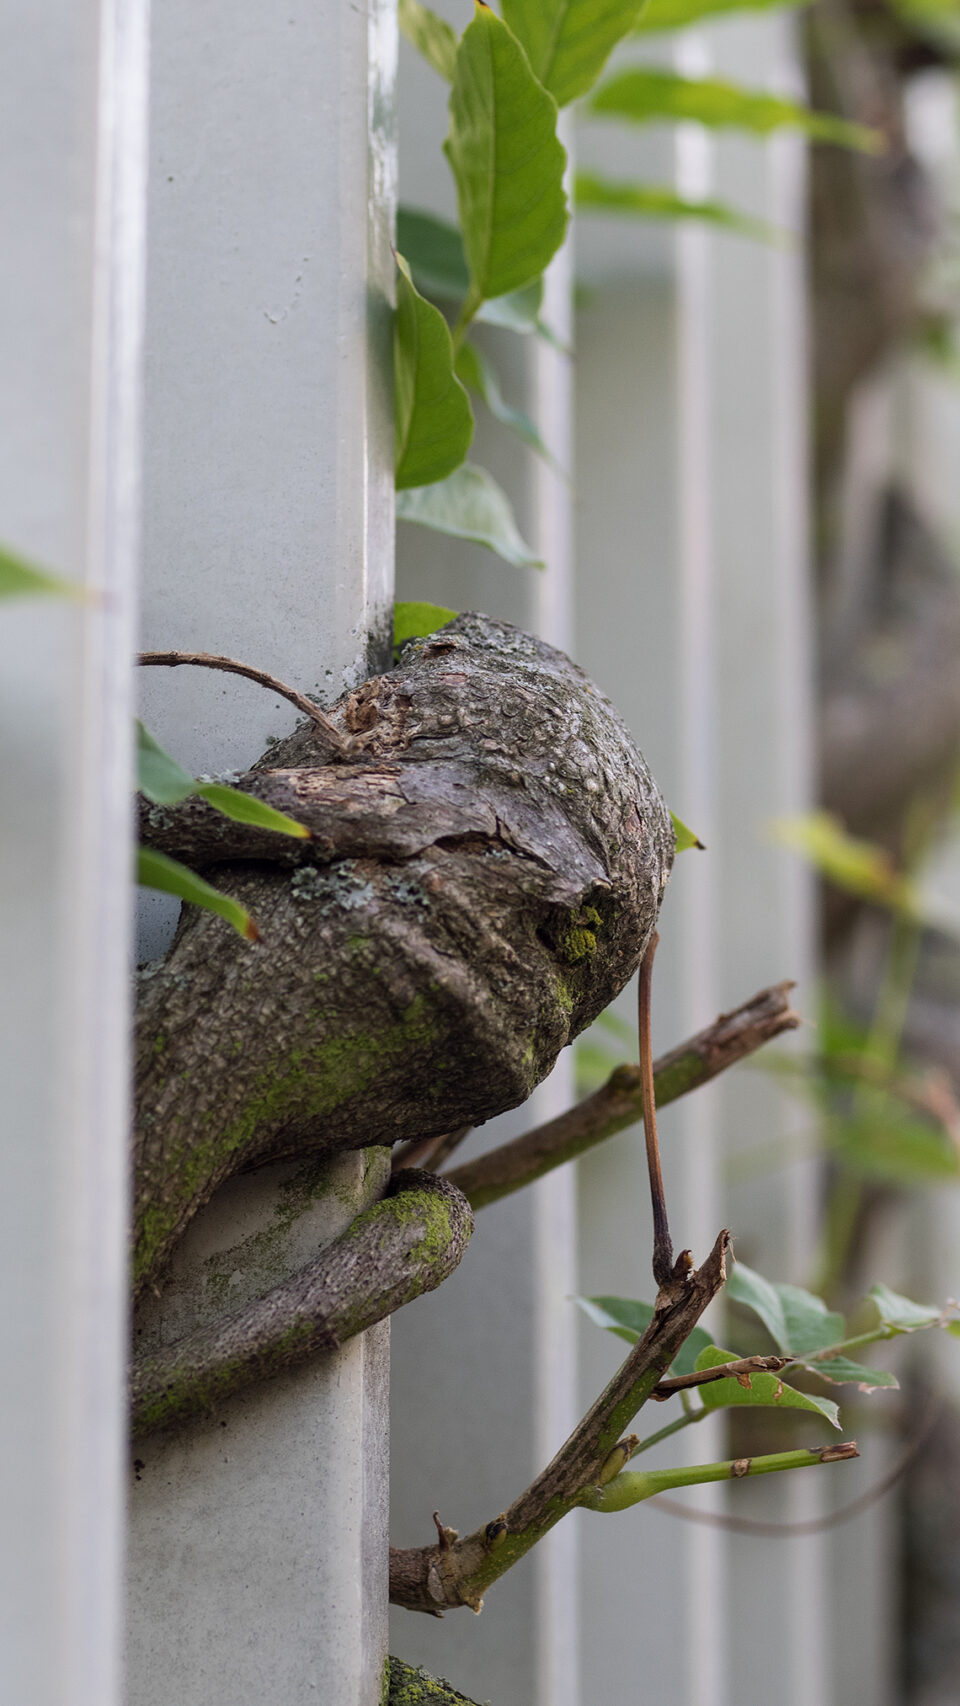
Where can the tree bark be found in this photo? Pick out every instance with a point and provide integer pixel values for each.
(486, 867)
(403, 1246)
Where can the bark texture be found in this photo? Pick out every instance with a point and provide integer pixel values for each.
(403, 1246)
(618, 1104)
(455, 1572)
(487, 862)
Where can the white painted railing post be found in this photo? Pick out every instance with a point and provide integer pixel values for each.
(72, 189)
(258, 1542)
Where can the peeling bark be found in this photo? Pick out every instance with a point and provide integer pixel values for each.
(487, 865)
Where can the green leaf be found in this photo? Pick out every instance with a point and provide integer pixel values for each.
(644, 95)
(677, 14)
(475, 371)
(159, 777)
(568, 42)
(246, 808)
(842, 1372)
(432, 413)
(20, 579)
(627, 1318)
(156, 871)
(507, 162)
(434, 251)
(768, 1391)
(517, 311)
(413, 621)
(430, 35)
(653, 201)
(469, 505)
(899, 1313)
(685, 837)
(797, 1321)
(858, 867)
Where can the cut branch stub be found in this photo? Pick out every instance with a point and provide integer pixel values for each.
(485, 870)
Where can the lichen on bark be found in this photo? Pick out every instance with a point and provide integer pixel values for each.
(485, 870)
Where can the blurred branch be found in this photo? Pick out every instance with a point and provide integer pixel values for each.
(619, 1103)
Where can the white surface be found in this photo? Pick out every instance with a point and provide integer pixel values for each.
(72, 186)
(258, 1564)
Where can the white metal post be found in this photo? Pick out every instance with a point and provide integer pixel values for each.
(259, 1541)
(72, 191)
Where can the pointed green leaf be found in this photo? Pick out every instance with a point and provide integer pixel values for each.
(593, 193)
(476, 372)
(246, 808)
(768, 1391)
(434, 250)
(432, 414)
(414, 621)
(568, 42)
(159, 777)
(506, 160)
(645, 95)
(627, 1318)
(469, 505)
(677, 14)
(795, 1319)
(430, 35)
(840, 1371)
(20, 579)
(685, 837)
(157, 871)
(899, 1313)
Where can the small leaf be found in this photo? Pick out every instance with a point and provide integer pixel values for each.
(796, 1320)
(430, 35)
(685, 837)
(627, 1318)
(517, 311)
(469, 505)
(414, 621)
(768, 1391)
(842, 1372)
(246, 808)
(677, 14)
(899, 1313)
(157, 871)
(507, 162)
(858, 867)
(593, 193)
(20, 579)
(644, 95)
(474, 370)
(159, 777)
(568, 42)
(433, 418)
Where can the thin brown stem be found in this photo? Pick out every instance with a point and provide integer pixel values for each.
(662, 1242)
(429, 1153)
(741, 1370)
(214, 660)
(618, 1104)
(432, 1579)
